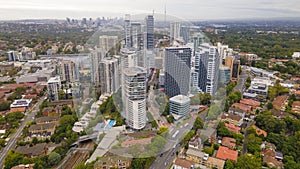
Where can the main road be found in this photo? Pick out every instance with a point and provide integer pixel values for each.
(13, 140)
(164, 160)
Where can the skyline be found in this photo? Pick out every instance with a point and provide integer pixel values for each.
(188, 9)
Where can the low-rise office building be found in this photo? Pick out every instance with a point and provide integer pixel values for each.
(179, 106)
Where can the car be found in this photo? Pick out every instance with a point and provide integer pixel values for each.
(205, 157)
(161, 154)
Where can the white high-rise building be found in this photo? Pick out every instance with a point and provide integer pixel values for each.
(53, 86)
(109, 75)
(174, 31)
(135, 86)
(224, 51)
(207, 61)
(12, 56)
(67, 71)
(26, 54)
(149, 60)
(107, 43)
(127, 31)
(137, 36)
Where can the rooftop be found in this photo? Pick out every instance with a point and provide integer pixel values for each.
(279, 101)
(36, 150)
(232, 128)
(196, 153)
(260, 131)
(231, 116)
(218, 162)
(250, 102)
(54, 79)
(180, 99)
(18, 109)
(131, 71)
(21, 103)
(225, 153)
(229, 142)
(242, 106)
(47, 119)
(45, 126)
(184, 163)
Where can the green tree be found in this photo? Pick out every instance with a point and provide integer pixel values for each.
(54, 158)
(162, 130)
(61, 95)
(198, 124)
(170, 118)
(253, 143)
(167, 110)
(269, 106)
(13, 159)
(248, 162)
(4, 105)
(229, 164)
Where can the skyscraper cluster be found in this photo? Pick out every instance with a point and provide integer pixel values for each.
(189, 65)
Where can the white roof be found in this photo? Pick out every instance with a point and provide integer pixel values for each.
(54, 79)
(180, 99)
(21, 103)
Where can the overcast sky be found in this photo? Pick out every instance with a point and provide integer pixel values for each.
(187, 9)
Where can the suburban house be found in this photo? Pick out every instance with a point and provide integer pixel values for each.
(45, 120)
(225, 153)
(280, 102)
(36, 150)
(229, 142)
(269, 157)
(183, 164)
(232, 128)
(260, 131)
(232, 119)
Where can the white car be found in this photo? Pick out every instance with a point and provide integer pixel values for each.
(205, 157)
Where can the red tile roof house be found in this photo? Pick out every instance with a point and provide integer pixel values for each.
(232, 128)
(225, 153)
(253, 103)
(260, 131)
(244, 107)
(18, 109)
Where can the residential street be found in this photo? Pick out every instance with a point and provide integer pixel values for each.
(13, 139)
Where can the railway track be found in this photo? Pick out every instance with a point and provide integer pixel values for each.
(78, 155)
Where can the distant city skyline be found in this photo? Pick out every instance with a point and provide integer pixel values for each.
(187, 9)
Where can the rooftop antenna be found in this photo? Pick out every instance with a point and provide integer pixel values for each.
(153, 12)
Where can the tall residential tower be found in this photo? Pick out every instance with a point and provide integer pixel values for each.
(135, 85)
